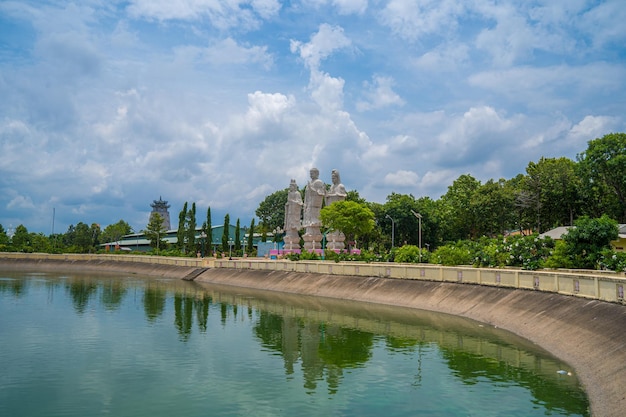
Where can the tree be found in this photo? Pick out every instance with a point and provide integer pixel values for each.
(40, 243)
(113, 232)
(180, 233)
(404, 225)
(588, 238)
(155, 230)
(82, 238)
(208, 228)
(352, 218)
(458, 216)
(250, 245)
(225, 234)
(271, 211)
(237, 236)
(4, 239)
(21, 239)
(604, 166)
(492, 207)
(550, 188)
(190, 231)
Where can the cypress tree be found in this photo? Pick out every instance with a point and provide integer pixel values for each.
(250, 247)
(180, 234)
(237, 237)
(208, 230)
(191, 230)
(225, 247)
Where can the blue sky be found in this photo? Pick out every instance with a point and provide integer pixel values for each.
(107, 105)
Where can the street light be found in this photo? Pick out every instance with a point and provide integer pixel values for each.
(393, 230)
(277, 232)
(419, 220)
(203, 236)
(230, 249)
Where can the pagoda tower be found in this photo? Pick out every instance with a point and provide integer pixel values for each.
(161, 208)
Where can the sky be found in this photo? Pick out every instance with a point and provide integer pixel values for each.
(106, 105)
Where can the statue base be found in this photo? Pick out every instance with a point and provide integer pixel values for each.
(312, 238)
(292, 241)
(335, 241)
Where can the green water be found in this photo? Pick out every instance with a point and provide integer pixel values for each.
(126, 346)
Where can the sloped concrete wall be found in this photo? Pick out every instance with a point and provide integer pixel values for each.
(588, 334)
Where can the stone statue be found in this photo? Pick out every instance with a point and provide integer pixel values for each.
(337, 192)
(293, 212)
(313, 199)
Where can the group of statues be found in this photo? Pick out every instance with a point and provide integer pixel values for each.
(306, 215)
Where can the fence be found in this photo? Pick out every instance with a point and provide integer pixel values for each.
(588, 284)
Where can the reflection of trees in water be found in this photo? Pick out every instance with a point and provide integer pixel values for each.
(183, 317)
(14, 286)
(324, 350)
(153, 302)
(201, 305)
(80, 292)
(184, 307)
(471, 368)
(112, 294)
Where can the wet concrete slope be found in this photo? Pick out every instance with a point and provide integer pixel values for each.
(590, 335)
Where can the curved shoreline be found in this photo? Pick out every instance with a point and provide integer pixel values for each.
(588, 334)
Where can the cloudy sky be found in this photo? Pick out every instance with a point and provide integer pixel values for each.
(107, 105)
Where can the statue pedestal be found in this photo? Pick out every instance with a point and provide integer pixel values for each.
(335, 241)
(312, 238)
(292, 241)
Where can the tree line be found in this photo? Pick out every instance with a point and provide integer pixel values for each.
(552, 192)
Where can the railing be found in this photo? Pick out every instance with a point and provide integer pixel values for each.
(588, 284)
(147, 259)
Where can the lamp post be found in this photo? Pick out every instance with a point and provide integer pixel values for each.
(277, 231)
(203, 236)
(419, 220)
(230, 248)
(393, 230)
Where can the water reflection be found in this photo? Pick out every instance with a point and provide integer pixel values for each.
(324, 340)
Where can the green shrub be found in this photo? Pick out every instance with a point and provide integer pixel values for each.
(454, 254)
(612, 260)
(411, 254)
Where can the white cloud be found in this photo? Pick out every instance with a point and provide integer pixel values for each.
(548, 86)
(224, 14)
(413, 19)
(324, 42)
(350, 6)
(379, 94)
(592, 127)
(401, 178)
(225, 52)
(443, 58)
(20, 202)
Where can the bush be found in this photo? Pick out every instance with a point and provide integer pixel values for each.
(614, 261)
(411, 254)
(459, 253)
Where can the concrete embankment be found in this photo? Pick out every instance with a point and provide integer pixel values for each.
(588, 334)
(96, 266)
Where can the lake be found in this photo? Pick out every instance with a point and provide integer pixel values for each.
(91, 345)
